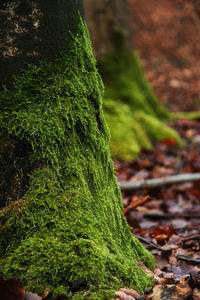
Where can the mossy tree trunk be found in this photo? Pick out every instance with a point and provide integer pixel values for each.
(30, 32)
(132, 111)
(61, 217)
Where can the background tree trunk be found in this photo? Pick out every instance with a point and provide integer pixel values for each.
(104, 18)
(133, 113)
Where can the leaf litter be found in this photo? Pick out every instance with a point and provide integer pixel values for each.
(167, 219)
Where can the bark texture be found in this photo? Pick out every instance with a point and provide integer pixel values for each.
(32, 31)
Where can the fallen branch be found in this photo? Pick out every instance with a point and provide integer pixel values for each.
(188, 259)
(156, 182)
(151, 244)
(158, 216)
(190, 237)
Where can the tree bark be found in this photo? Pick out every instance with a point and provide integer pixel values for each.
(104, 18)
(32, 31)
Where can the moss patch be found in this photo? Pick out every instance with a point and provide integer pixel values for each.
(193, 115)
(156, 129)
(126, 85)
(132, 132)
(69, 223)
(128, 137)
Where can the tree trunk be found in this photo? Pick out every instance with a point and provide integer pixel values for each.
(133, 113)
(104, 18)
(32, 31)
(62, 218)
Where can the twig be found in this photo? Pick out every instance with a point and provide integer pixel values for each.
(136, 202)
(156, 182)
(188, 259)
(150, 243)
(157, 216)
(191, 237)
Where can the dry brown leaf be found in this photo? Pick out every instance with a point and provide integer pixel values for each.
(32, 296)
(156, 293)
(131, 293)
(183, 289)
(124, 296)
(135, 202)
(180, 291)
(196, 294)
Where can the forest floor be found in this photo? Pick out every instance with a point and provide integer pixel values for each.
(168, 222)
(167, 36)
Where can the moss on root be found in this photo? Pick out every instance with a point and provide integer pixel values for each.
(156, 129)
(192, 115)
(126, 85)
(128, 137)
(69, 223)
(132, 132)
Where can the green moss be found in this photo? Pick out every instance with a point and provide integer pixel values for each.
(156, 129)
(132, 132)
(127, 86)
(69, 223)
(124, 79)
(193, 115)
(128, 137)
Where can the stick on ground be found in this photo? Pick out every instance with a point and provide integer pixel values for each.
(156, 182)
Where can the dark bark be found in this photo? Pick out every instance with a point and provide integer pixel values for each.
(15, 168)
(31, 31)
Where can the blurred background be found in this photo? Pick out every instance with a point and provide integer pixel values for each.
(166, 34)
(147, 53)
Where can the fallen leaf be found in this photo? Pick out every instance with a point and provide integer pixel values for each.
(196, 294)
(180, 291)
(132, 293)
(170, 142)
(32, 296)
(163, 233)
(135, 202)
(124, 296)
